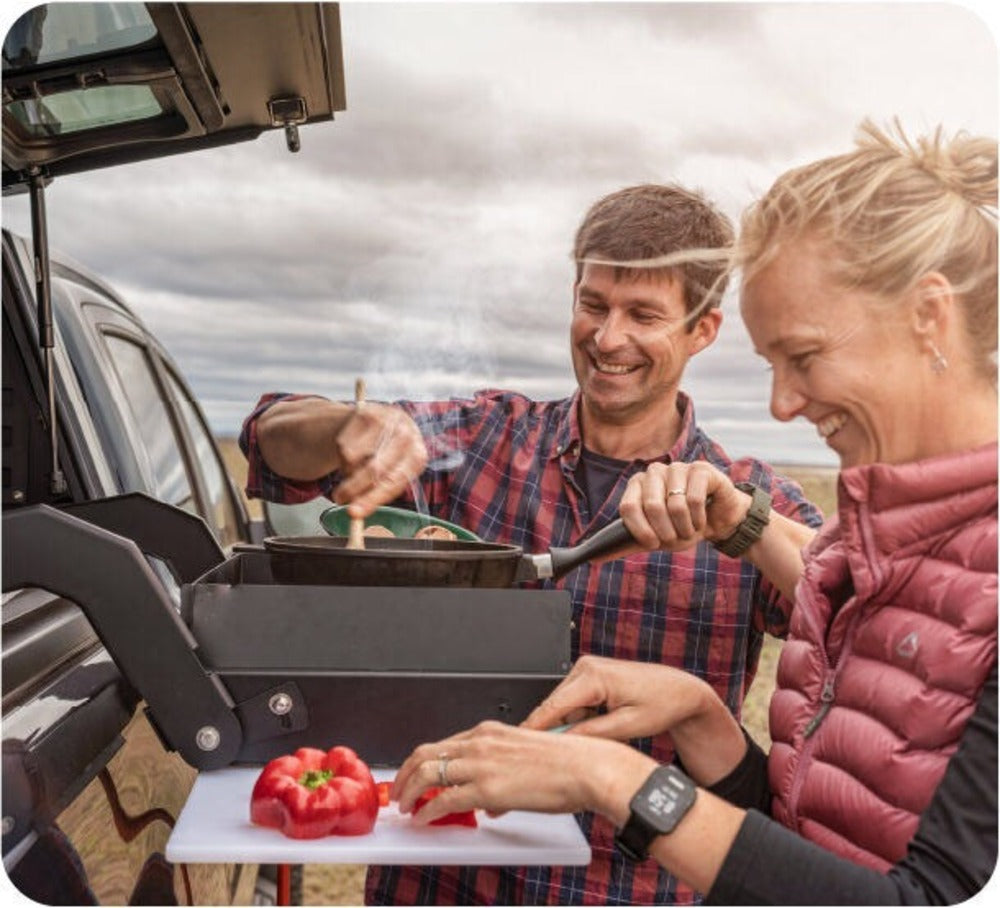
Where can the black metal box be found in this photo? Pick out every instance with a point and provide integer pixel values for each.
(380, 669)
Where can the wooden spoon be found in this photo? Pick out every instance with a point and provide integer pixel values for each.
(356, 531)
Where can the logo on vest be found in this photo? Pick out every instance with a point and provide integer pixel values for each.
(907, 647)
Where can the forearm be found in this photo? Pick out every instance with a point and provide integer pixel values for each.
(778, 552)
(297, 438)
(711, 743)
(697, 848)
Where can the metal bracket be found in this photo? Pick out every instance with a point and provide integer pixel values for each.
(289, 112)
(180, 538)
(273, 713)
(111, 581)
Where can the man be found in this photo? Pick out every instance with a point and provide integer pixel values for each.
(538, 474)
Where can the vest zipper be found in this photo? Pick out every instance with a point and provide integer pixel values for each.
(825, 702)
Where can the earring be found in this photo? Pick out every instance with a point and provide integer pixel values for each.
(939, 363)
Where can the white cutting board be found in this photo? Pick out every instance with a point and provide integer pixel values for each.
(214, 827)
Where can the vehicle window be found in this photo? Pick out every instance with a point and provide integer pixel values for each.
(89, 108)
(152, 419)
(65, 31)
(221, 512)
(69, 34)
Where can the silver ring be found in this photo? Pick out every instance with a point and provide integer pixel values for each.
(676, 492)
(443, 771)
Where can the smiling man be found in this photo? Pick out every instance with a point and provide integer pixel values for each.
(651, 268)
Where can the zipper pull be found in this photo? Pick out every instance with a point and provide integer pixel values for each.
(825, 702)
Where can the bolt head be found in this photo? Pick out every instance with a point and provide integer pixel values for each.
(208, 737)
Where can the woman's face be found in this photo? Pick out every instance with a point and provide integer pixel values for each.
(843, 359)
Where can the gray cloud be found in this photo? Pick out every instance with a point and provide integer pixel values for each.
(422, 239)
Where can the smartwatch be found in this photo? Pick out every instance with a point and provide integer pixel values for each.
(655, 809)
(752, 526)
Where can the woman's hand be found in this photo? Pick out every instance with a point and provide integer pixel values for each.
(640, 699)
(497, 767)
(674, 506)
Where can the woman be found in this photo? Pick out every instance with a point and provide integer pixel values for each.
(870, 287)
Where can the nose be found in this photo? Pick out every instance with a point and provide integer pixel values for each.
(611, 333)
(787, 401)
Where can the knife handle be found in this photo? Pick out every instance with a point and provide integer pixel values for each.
(610, 539)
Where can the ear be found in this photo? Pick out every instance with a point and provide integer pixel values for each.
(933, 311)
(705, 331)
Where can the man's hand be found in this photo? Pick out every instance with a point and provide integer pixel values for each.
(378, 449)
(381, 451)
(674, 506)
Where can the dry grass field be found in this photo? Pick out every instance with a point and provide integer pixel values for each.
(344, 885)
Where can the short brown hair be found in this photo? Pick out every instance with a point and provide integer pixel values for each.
(652, 222)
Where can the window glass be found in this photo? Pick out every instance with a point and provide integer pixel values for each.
(87, 108)
(65, 31)
(221, 512)
(152, 419)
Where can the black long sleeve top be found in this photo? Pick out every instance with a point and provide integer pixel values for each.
(950, 858)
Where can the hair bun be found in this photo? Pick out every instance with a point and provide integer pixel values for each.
(963, 164)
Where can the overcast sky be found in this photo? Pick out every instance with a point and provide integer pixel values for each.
(422, 239)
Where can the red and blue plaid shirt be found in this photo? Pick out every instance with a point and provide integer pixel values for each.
(509, 475)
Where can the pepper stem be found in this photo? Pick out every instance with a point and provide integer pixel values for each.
(314, 778)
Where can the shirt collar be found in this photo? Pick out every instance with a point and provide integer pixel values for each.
(569, 441)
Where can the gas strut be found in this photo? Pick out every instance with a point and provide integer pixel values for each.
(46, 334)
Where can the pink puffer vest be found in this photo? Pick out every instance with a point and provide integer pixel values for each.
(892, 636)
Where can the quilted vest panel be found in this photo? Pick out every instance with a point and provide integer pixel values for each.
(892, 637)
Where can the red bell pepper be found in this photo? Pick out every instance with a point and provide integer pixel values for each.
(462, 818)
(314, 793)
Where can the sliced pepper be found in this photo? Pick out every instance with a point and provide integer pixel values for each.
(314, 793)
(462, 818)
(383, 793)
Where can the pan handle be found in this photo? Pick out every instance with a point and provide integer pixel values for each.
(605, 541)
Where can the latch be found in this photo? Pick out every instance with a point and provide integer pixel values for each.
(288, 112)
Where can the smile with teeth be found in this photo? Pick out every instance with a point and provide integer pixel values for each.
(613, 368)
(826, 427)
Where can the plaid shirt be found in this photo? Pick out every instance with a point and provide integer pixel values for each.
(696, 610)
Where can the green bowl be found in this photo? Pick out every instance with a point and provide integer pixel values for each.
(403, 523)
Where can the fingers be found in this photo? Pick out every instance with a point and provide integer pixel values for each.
(573, 699)
(381, 451)
(667, 506)
(622, 724)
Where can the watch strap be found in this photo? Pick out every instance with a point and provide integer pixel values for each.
(751, 528)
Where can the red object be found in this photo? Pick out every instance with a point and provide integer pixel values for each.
(284, 884)
(383, 793)
(462, 818)
(314, 793)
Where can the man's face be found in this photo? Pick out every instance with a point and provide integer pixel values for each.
(629, 342)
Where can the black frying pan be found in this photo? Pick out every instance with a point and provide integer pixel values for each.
(429, 562)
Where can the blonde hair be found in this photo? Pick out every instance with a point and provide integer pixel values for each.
(892, 211)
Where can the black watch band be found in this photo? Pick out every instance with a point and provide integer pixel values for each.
(752, 526)
(655, 809)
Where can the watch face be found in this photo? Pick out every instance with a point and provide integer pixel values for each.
(666, 798)
(663, 800)
(655, 810)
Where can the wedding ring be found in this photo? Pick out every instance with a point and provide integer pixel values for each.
(443, 770)
(676, 492)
